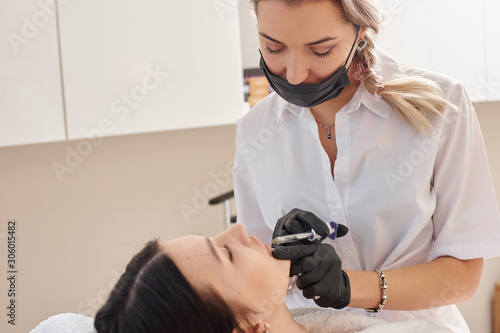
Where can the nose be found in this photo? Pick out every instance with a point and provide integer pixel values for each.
(297, 70)
(236, 233)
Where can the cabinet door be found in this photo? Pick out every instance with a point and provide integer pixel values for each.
(134, 66)
(31, 104)
(445, 36)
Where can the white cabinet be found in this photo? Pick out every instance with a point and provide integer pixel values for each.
(31, 103)
(133, 66)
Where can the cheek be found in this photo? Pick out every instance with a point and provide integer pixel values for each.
(271, 278)
(324, 69)
(274, 65)
(271, 285)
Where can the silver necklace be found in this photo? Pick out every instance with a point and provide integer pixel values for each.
(328, 127)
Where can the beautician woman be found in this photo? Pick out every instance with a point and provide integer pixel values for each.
(394, 153)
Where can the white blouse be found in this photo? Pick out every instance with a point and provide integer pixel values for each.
(407, 198)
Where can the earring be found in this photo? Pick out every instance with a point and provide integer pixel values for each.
(361, 45)
(267, 327)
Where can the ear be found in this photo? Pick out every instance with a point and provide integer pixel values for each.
(362, 33)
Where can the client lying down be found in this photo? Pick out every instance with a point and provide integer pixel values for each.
(229, 283)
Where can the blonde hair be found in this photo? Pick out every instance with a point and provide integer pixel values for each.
(416, 99)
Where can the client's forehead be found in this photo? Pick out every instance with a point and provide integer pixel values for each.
(191, 250)
(183, 244)
(194, 257)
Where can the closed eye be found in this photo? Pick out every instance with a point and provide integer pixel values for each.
(229, 252)
(324, 54)
(271, 51)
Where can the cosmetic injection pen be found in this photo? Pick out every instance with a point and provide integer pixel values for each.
(337, 230)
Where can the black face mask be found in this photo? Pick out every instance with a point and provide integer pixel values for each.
(308, 95)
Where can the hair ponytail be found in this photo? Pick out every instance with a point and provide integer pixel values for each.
(415, 98)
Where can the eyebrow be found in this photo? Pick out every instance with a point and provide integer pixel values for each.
(212, 249)
(326, 39)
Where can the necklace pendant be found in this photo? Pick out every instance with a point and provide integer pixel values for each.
(329, 128)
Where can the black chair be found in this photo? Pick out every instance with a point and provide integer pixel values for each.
(226, 199)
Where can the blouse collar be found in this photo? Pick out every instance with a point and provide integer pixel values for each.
(374, 103)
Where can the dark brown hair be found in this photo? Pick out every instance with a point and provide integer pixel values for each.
(153, 296)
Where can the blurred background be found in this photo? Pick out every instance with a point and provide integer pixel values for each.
(117, 124)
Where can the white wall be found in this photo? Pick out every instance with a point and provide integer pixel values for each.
(249, 38)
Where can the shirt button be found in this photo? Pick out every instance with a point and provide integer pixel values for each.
(349, 253)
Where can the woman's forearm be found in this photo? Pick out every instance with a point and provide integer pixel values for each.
(443, 281)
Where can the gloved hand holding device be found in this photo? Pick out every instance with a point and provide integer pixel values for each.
(319, 268)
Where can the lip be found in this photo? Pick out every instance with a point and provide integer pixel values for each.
(268, 247)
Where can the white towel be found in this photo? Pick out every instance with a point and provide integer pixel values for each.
(314, 319)
(66, 323)
(321, 320)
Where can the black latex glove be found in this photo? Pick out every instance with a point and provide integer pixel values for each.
(321, 273)
(298, 221)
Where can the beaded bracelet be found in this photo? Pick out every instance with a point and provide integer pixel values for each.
(383, 287)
